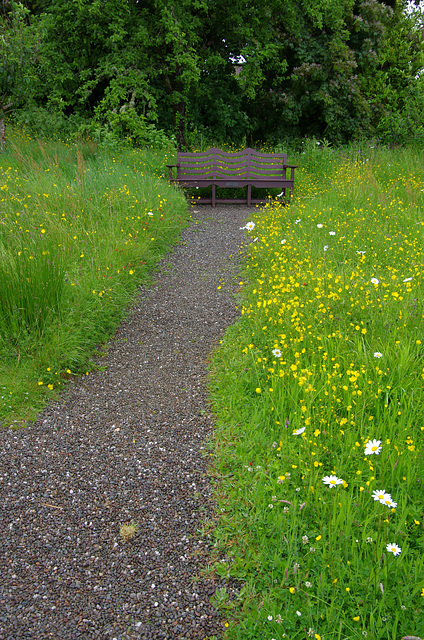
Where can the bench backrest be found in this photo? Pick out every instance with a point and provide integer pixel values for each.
(218, 164)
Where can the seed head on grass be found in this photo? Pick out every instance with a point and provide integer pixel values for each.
(128, 531)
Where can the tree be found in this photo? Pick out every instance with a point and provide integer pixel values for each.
(395, 90)
(231, 71)
(121, 61)
(17, 49)
(306, 79)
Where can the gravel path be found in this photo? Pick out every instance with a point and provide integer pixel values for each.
(123, 445)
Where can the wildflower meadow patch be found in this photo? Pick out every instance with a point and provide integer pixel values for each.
(319, 395)
(79, 232)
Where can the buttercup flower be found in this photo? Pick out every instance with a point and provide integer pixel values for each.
(393, 548)
(332, 481)
(373, 446)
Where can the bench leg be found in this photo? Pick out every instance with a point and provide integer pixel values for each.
(249, 195)
(213, 195)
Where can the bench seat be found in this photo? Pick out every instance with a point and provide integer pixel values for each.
(218, 168)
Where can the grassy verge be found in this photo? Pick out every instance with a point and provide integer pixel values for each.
(319, 395)
(80, 231)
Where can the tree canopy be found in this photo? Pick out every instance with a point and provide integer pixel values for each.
(17, 50)
(210, 69)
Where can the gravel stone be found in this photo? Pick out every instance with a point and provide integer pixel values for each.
(125, 445)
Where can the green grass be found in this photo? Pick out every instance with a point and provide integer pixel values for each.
(327, 356)
(80, 230)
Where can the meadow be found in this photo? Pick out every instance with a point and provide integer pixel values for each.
(318, 390)
(81, 229)
(317, 455)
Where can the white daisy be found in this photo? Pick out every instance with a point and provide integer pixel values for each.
(389, 502)
(332, 481)
(375, 280)
(373, 446)
(299, 431)
(276, 353)
(380, 495)
(332, 233)
(393, 548)
(377, 354)
(319, 226)
(283, 241)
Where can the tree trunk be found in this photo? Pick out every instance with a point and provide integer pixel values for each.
(2, 135)
(180, 125)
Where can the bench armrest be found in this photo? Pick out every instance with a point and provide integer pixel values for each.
(170, 167)
(292, 167)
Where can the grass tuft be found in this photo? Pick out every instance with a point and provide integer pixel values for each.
(81, 229)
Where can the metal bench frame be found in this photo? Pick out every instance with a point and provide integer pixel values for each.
(234, 170)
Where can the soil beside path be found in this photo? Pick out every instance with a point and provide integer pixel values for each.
(123, 445)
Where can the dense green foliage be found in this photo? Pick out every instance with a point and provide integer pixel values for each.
(204, 70)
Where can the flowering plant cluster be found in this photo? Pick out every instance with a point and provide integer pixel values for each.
(328, 390)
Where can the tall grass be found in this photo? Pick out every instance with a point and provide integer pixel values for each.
(319, 394)
(80, 230)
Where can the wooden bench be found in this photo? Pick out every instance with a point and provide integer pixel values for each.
(232, 170)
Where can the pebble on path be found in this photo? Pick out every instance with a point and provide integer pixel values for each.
(120, 446)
